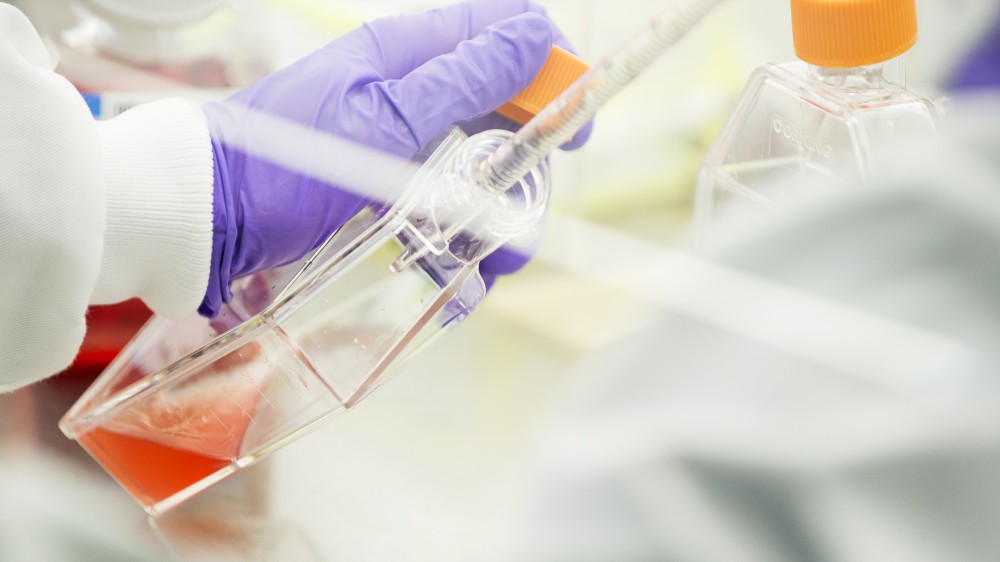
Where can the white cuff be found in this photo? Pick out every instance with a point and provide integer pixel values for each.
(158, 241)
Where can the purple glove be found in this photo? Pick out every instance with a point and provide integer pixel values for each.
(981, 68)
(393, 84)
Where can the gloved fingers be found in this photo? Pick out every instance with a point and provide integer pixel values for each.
(504, 261)
(405, 42)
(579, 138)
(477, 77)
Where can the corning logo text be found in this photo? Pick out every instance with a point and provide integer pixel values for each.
(795, 134)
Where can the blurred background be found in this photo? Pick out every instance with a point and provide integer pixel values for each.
(454, 459)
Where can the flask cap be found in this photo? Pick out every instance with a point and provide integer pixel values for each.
(560, 70)
(850, 33)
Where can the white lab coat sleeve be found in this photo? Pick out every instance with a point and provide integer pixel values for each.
(90, 212)
(158, 177)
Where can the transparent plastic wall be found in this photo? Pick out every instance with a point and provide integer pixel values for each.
(172, 416)
(796, 129)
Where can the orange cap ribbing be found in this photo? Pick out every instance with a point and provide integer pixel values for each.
(848, 33)
(560, 70)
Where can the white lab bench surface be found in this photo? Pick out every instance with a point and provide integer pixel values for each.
(427, 468)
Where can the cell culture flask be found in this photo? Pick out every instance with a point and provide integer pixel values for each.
(191, 401)
(835, 114)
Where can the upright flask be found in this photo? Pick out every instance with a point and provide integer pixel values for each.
(831, 116)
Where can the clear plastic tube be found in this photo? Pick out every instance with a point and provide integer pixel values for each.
(559, 120)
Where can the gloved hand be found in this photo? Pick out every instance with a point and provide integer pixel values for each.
(981, 67)
(394, 84)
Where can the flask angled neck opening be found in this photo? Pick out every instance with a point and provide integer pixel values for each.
(891, 73)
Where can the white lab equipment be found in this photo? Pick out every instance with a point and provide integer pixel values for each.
(127, 45)
(834, 114)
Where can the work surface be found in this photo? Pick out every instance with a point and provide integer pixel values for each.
(425, 469)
